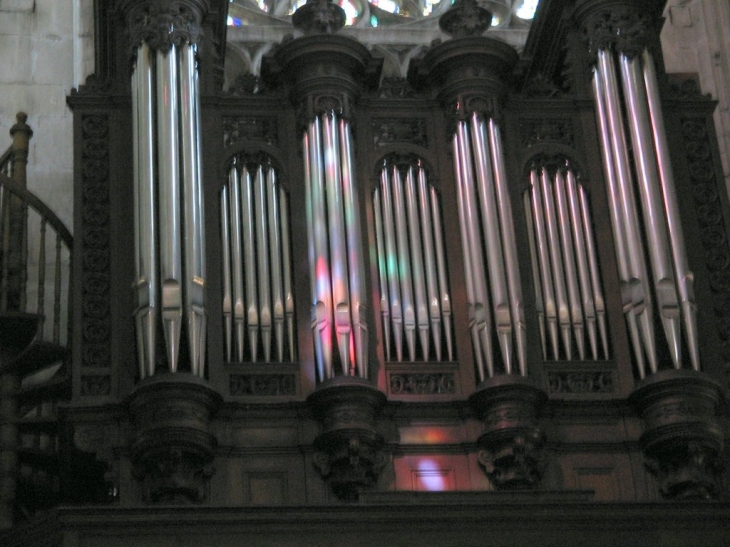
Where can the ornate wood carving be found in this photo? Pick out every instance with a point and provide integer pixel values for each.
(94, 251)
(250, 128)
(580, 383)
(708, 209)
(539, 130)
(399, 130)
(163, 23)
(263, 385)
(421, 383)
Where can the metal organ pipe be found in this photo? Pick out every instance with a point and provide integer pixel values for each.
(169, 239)
(257, 248)
(485, 216)
(637, 284)
(417, 264)
(145, 221)
(354, 251)
(555, 200)
(684, 277)
(651, 203)
(473, 253)
(671, 279)
(335, 248)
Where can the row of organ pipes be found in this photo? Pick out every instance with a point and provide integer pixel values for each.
(415, 303)
(568, 295)
(339, 321)
(258, 301)
(626, 93)
(495, 302)
(168, 207)
(414, 294)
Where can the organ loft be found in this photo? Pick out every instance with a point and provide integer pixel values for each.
(326, 290)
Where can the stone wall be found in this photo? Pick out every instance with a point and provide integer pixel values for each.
(696, 40)
(46, 48)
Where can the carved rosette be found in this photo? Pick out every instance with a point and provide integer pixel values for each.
(682, 439)
(347, 451)
(510, 445)
(172, 448)
(163, 23)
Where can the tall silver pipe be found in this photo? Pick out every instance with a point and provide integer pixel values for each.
(628, 294)
(148, 202)
(248, 223)
(556, 262)
(429, 257)
(535, 264)
(651, 202)
(444, 297)
(569, 266)
(168, 142)
(193, 226)
(683, 275)
(492, 238)
(418, 269)
(226, 259)
(239, 316)
(404, 264)
(480, 322)
(355, 256)
(276, 248)
(396, 307)
(382, 271)
(337, 240)
(582, 264)
(286, 267)
(203, 319)
(311, 251)
(543, 253)
(262, 262)
(145, 217)
(509, 246)
(592, 255)
(638, 284)
(323, 295)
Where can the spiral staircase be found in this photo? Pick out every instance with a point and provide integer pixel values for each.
(35, 255)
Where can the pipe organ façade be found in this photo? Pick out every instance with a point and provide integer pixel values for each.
(504, 273)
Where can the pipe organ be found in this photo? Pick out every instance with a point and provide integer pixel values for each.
(506, 271)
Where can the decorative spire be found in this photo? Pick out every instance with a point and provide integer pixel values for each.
(319, 17)
(465, 18)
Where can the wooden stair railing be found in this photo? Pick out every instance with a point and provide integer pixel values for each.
(34, 357)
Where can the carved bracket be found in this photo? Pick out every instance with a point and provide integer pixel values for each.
(682, 439)
(510, 445)
(172, 450)
(348, 449)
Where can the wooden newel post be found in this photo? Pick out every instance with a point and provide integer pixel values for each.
(16, 240)
(21, 133)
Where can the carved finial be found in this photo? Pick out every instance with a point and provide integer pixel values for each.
(465, 18)
(319, 17)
